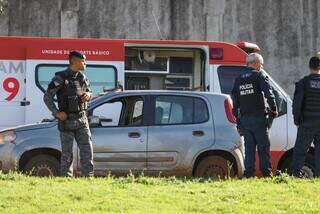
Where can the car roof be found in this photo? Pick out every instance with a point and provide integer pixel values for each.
(156, 92)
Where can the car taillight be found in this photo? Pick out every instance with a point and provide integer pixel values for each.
(228, 108)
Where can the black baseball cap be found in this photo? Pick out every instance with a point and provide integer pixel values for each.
(76, 54)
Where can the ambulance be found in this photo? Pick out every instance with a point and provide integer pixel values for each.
(28, 64)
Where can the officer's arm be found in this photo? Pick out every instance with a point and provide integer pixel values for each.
(268, 92)
(235, 100)
(298, 102)
(53, 87)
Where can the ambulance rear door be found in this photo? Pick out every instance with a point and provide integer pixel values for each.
(12, 93)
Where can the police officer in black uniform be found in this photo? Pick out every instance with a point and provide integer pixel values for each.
(73, 92)
(249, 92)
(306, 114)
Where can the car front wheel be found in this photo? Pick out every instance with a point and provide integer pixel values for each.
(43, 166)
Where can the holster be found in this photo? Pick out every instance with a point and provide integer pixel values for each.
(61, 126)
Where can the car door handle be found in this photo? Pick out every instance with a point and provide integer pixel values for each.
(134, 134)
(197, 133)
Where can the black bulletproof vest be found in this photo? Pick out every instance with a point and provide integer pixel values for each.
(69, 96)
(250, 95)
(312, 94)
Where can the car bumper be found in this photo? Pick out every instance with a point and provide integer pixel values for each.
(7, 162)
(238, 155)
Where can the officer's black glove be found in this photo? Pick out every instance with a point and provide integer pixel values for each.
(270, 117)
(297, 121)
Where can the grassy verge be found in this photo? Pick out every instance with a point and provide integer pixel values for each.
(22, 194)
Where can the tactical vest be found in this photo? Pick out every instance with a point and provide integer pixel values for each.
(69, 96)
(250, 94)
(311, 101)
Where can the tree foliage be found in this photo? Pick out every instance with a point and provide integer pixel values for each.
(3, 7)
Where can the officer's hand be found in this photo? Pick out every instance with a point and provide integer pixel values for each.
(62, 116)
(275, 113)
(85, 97)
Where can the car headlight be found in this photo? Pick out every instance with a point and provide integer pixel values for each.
(7, 137)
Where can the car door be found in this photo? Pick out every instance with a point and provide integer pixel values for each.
(181, 128)
(120, 137)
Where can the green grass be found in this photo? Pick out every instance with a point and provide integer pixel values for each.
(282, 194)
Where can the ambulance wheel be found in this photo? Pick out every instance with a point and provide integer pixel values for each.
(307, 170)
(309, 167)
(215, 167)
(42, 166)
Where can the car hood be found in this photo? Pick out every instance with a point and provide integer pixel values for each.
(41, 125)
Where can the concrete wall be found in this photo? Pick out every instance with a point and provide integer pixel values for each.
(286, 30)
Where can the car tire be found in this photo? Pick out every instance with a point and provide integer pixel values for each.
(215, 167)
(307, 169)
(43, 166)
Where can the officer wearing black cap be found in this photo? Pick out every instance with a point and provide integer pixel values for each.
(306, 114)
(249, 92)
(73, 92)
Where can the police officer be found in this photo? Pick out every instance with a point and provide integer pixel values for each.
(73, 91)
(249, 92)
(306, 115)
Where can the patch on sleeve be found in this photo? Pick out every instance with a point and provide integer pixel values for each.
(56, 82)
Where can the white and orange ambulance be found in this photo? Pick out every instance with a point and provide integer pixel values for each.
(28, 64)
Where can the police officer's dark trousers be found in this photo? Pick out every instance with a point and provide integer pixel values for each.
(78, 129)
(255, 135)
(308, 132)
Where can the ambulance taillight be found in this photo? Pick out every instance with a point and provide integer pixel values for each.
(248, 47)
(216, 53)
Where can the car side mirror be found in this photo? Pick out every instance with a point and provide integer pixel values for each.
(94, 121)
(105, 121)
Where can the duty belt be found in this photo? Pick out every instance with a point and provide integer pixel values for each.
(76, 115)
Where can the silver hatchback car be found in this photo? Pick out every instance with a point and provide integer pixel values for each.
(157, 132)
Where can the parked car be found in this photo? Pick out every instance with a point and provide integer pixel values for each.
(167, 132)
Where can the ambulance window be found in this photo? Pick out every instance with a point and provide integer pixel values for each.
(44, 74)
(102, 77)
(227, 76)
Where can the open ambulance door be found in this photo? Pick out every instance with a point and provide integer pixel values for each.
(166, 66)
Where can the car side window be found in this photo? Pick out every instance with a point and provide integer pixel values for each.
(137, 113)
(200, 111)
(179, 110)
(127, 111)
(109, 111)
(227, 76)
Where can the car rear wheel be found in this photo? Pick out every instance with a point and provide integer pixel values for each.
(215, 167)
(43, 166)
